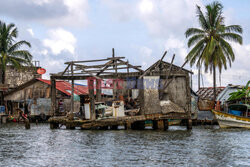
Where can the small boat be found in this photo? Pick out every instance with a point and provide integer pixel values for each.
(237, 116)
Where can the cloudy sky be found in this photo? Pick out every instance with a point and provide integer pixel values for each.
(141, 30)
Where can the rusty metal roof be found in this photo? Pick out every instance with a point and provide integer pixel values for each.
(65, 87)
(208, 92)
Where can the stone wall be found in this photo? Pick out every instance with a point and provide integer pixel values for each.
(15, 77)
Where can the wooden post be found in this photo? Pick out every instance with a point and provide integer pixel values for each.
(128, 125)
(189, 124)
(160, 124)
(188, 105)
(128, 73)
(53, 97)
(92, 98)
(166, 124)
(72, 90)
(54, 125)
(27, 124)
(98, 90)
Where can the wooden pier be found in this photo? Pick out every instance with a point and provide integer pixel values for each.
(160, 121)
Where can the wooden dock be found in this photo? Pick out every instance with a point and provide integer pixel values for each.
(160, 121)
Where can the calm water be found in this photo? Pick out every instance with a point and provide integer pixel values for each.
(203, 146)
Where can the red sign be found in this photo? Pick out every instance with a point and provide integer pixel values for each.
(41, 71)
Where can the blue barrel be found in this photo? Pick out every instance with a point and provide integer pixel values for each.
(2, 109)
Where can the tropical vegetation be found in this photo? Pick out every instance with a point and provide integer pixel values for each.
(241, 93)
(211, 47)
(11, 51)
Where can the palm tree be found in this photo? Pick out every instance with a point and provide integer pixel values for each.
(10, 52)
(211, 47)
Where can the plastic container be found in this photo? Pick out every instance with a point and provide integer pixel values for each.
(235, 112)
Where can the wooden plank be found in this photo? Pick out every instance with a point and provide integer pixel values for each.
(72, 89)
(174, 77)
(53, 96)
(92, 75)
(153, 66)
(109, 69)
(92, 99)
(65, 69)
(107, 65)
(167, 76)
(131, 66)
(98, 90)
(96, 60)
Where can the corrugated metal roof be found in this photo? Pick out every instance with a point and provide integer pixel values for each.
(208, 92)
(224, 95)
(65, 87)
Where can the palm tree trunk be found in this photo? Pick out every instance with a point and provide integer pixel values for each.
(214, 79)
(199, 80)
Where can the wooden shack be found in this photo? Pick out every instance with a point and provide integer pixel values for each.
(36, 94)
(164, 91)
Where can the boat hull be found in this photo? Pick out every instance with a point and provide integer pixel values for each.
(226, 120)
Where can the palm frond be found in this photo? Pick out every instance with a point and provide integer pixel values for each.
(24, 54)
(232, 37)
(234, 28)
(202, 20)
(17, 45)
(194, 31)
(194, 39)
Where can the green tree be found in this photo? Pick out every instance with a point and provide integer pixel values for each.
(11, 52)
(241, 93)
(210, 42)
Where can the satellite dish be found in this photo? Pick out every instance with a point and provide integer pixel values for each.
(41, 71)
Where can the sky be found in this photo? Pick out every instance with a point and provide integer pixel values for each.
(140, 30)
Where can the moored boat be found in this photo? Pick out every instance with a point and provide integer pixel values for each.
(238, 116)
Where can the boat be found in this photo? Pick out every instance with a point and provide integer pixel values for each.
(237, 116)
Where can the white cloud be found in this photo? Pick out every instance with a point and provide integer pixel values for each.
(71, 13)
(146, 7)
(76, 14)
(167, 17)
(120, 10)
(31, 32)
(60, 40)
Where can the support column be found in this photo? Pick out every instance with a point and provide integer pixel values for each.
(189, 124)
(72, 90)
(54, 125)
(53, 97)
(160, 124)
(92, 98)
(114, 89)
(98, 90)
(69, 126)
(128, 125)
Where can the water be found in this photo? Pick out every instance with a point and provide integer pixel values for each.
(203, 146)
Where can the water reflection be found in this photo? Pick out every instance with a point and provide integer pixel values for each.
(205, 146)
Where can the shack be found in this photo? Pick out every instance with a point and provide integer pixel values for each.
(206, 102)
(164, 92)
(34, 96)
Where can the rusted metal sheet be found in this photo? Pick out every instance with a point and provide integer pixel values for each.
(207, 92)
(205, 105)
